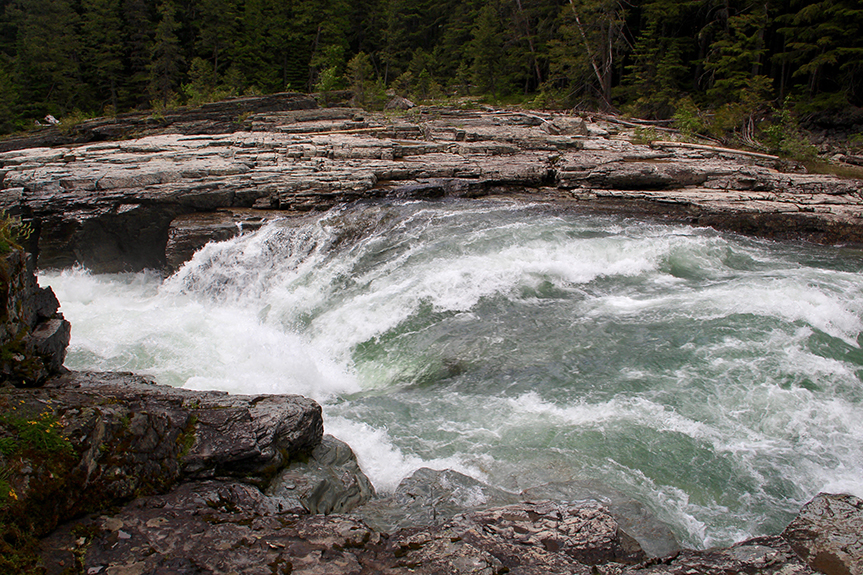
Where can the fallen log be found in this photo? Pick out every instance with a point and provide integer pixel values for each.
(666, 144)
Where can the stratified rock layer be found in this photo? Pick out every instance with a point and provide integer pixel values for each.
(151, 201)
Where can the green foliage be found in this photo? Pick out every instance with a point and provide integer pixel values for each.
(657, 75)
(689, 119)
(644, 136)
(46, 66)
(69, 122)
(18, 551)
(485, 48)
(367, 91)
(12, 232)
(736, 56)
(824, 51)
(186, 439)
(31, 433)
(102, 44)
(783, 136)
(205, 86)
(34, 437)
(166, 59)
(642, 56)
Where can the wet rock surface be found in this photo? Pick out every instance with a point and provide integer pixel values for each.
(154, 479)
(165, 480)
(431, 497)
(232, 527)
(150, 201)
(330, 481)
(33, 333)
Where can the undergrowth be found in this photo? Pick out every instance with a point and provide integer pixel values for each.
(12, 232)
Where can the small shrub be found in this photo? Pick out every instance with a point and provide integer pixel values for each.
(12, 232)
(71, 121)
(37, 433)
(782, 136)
(689, 119)
(644, 136)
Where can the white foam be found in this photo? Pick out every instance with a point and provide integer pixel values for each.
(382, 461)
(128, 323)
(636, 410)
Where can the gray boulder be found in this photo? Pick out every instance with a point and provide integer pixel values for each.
(430, 497)
(654, 536)
(329, 481)
(120, 436)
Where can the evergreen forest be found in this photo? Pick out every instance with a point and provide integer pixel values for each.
(653, 59)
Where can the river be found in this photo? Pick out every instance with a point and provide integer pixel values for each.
(714, 378)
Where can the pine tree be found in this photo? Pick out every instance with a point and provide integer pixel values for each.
(102, 37)
(217, 31)
(737, 56)
(138, 24)
(46, 66)
(166, 59)
(592, 37)
(485, 49)
(660, 71)
(824, 46)
(8, 94)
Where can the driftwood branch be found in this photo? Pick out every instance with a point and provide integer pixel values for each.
(663, 144)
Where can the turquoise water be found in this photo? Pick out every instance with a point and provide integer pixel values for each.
(715, 378)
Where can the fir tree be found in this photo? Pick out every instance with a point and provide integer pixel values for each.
(101, 31)
(824, 45)
(46, 66)
(166, 59)
(485, 49)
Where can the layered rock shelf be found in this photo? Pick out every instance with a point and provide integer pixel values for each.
(151, 201)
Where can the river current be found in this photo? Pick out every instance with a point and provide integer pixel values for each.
(712, 377)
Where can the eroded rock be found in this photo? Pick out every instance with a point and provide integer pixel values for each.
(762, 555)
(654, 536)
(209, 527)
(33, 334)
